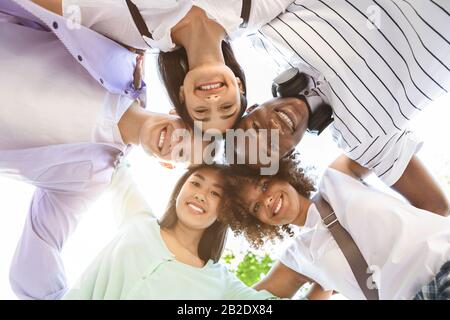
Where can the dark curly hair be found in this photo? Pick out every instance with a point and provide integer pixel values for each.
(238, 216)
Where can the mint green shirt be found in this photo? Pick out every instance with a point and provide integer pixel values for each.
(138, 265)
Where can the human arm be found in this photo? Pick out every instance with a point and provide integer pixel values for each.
(37, 268)
(416, 184)
(54, 6)
(237, 290)
(127, 200)
(419, 187)
(284, 282)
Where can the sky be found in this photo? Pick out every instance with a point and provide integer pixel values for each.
(98, 227)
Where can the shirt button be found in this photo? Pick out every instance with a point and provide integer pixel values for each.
(126, 91)
(80, 58)
(306, 92)
(55, 25)
(319, 83)
(101, 81)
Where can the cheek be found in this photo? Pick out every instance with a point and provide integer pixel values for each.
(214, 208)
(293, 200)
(286, 145)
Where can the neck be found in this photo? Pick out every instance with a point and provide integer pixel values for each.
(188, 238)
(206, 47)
(304, 204)
(131, 123)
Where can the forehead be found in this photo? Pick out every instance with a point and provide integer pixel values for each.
(211, 176)
(247, 186)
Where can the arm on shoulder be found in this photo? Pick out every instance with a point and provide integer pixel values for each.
(416, 184)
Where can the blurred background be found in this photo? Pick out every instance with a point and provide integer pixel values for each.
(156, 182)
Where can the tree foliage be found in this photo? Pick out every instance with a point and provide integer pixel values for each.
(251, 268)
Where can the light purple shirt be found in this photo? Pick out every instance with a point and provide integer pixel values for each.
(68, 177)
(106, 61)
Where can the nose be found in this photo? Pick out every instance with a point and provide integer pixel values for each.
(199, 197)
(213, 97)
(269, 201)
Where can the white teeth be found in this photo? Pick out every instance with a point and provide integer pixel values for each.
(162, 137)
(280, 203)
(286, 119)
(211, 86)
(200, 210)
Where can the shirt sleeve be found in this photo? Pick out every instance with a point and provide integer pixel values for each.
(237, 290)
(127, 200)
(388, 155)
(37, 269)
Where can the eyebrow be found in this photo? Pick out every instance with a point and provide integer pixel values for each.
(203, 178)
(199, 176)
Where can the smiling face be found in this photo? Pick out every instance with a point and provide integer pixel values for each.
(272, 201)
(156, 135)
(198, 202)
(288, 115)
(212, 95)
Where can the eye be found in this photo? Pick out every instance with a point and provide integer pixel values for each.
(215, 194)
(195, 184)
(256, 207)
(226, 107)
(265, 186)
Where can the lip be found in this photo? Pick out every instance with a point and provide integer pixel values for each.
(212, 90)
(194, 205)
(291, 115)
(166, 146)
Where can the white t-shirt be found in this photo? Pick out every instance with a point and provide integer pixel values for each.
(113, 19)
(403, 245)
(48, 98)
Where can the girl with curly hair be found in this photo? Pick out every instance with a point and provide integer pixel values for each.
(174, 257)
(407, 250)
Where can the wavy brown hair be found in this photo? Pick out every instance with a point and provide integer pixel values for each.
(213, 239)
(173, 67)
(238, 216)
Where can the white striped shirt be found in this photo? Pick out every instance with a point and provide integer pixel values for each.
(383, 61)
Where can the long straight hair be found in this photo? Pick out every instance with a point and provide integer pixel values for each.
(213, 239)
(173, 67)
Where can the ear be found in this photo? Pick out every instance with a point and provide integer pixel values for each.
(173, 112)
(251, 108)
(181, 94)
(241, 87)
